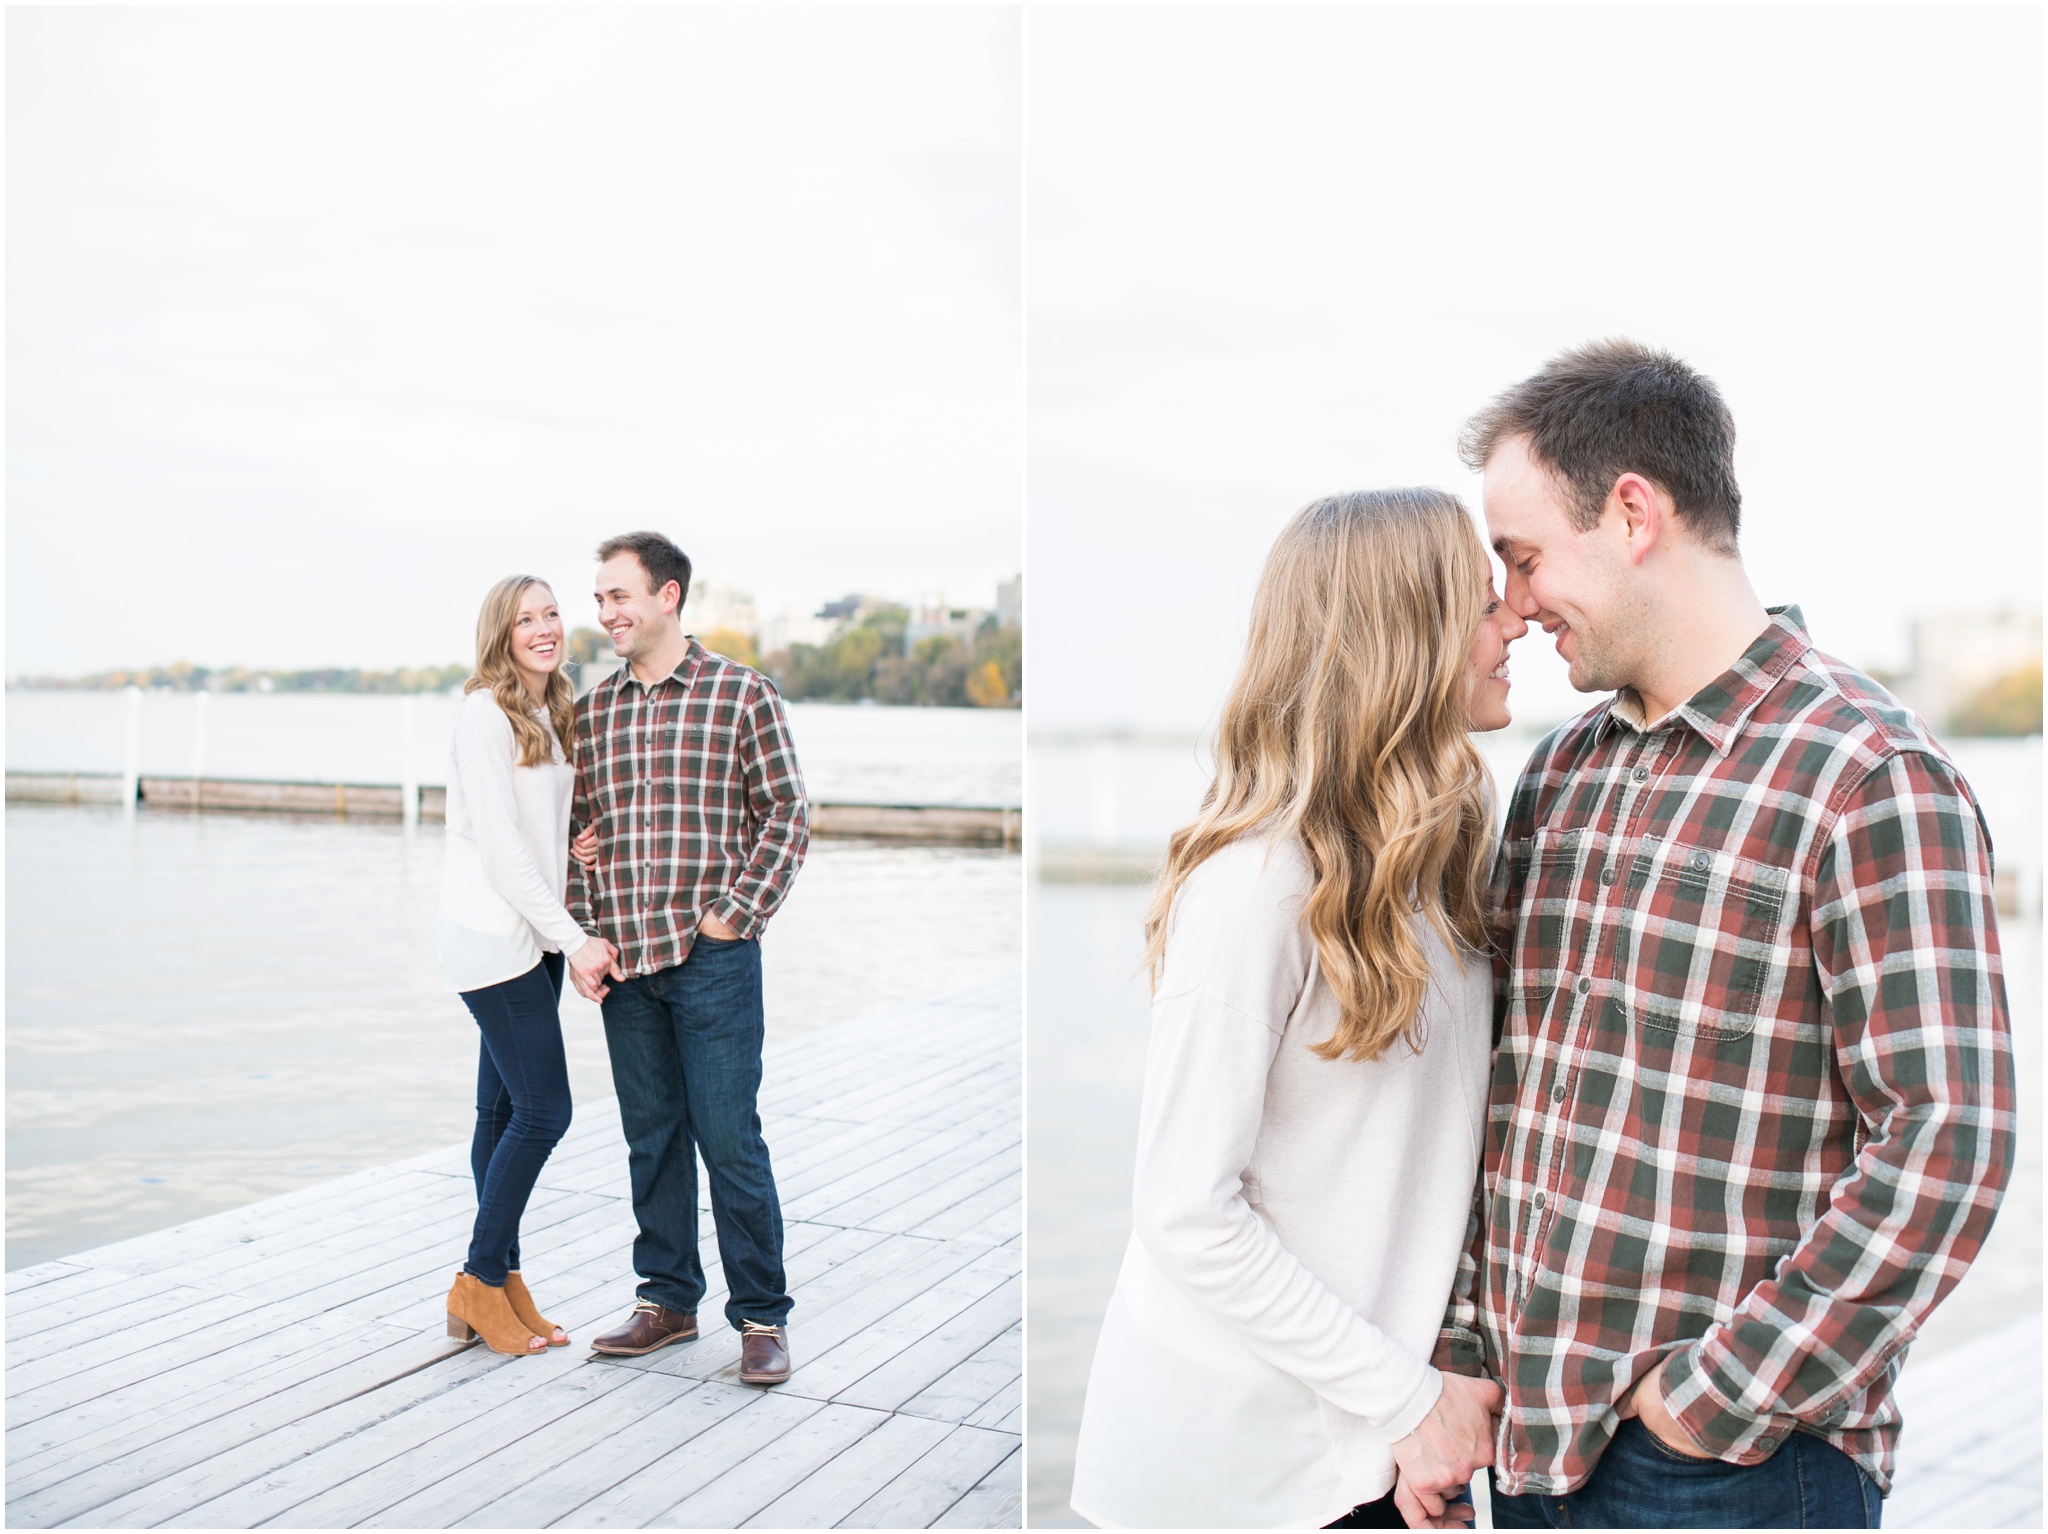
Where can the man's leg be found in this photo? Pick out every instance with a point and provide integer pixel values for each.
(647, 1073)
(1639, 1483)
(716, 994)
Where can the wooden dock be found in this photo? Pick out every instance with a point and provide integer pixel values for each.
(286, 1363)
(949, 824)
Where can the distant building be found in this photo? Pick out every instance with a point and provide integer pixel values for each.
(932, 617)
(790, 627)
(1010, 601)
(851, 608)
(1957, 655)
(716, 605)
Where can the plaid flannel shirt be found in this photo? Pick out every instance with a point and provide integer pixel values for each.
(693, 785)
(1752, 1104)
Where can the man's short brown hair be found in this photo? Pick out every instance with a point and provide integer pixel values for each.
(662, 560)
(1610, 408)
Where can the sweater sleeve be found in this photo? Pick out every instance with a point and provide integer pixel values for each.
(485, 754)
(1217, 1025)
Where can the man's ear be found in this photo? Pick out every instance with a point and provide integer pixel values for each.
(675, 586)
(1644, 510)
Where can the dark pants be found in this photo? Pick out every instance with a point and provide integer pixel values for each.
(1640, 1484)
(522, 1107)
(686, 1058)
(1383, 1513)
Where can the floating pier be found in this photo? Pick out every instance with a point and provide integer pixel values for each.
(961, 825)
(287, 1363)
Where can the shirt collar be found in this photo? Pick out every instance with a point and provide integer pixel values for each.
(1719, 710)
(685, 672)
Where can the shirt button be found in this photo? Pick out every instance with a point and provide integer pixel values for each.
(1606, 876)
(1537, 1202)
(1585, 985)
(1557, 1093)
(1768, 1445)
(1642, 774)
(1701, 860)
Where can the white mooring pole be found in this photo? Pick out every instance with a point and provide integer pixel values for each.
(131, 772)
(409, 778)
(198, 745)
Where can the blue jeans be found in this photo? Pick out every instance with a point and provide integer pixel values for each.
(522, 1107)
(1638, 1483)
(686, 1058)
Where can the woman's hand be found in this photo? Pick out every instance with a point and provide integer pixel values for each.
(584, 848)
(1438, 1458)
(590, 964)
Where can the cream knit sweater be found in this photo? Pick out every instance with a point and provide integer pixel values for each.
(1297, 1223)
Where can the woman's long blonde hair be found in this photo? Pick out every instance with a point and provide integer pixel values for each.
(494, 669)
(1347, 730)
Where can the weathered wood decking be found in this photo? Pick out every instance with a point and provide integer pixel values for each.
(1970, 1456)
(286, 1364)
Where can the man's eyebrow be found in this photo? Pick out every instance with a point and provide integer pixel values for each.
(1500, 545)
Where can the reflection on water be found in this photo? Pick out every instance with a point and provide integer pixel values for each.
(207, 1010)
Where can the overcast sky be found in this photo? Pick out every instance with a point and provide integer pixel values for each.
(321, 319)
(1278, 253)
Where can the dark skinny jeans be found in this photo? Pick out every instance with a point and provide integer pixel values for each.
(522, 1107)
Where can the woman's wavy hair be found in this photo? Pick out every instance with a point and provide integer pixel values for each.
(1347, 730)
(494, 669)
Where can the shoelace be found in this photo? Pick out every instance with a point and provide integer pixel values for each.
(756, 1329)
(647, 1305)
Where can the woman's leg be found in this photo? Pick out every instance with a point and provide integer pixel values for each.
(523, 1035)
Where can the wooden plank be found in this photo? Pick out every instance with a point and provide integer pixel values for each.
(148, 1441)
(309, 1458)
(974, 1382)
(994, 1215)
(913, 1369)
(996, 1503)
(907, 1323)
(835, 1490)
(459, 1456)
(21, 1280)
(842, 1304)
(742, 1491)
(927, 1489)
(680, 1413)
(756, 1426)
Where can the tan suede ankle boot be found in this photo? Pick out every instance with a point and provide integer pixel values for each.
(529, 1313)
(475, 1309)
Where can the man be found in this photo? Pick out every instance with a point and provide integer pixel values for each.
(690, 814)
(1752, 1106)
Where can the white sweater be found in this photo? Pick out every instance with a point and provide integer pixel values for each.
(507, 864)
(1297, 1224)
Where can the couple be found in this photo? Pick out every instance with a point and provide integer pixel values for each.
(676, 782)
(1722, 1021)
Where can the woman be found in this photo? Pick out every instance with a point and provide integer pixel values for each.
(504, 935)
(1316, 1081)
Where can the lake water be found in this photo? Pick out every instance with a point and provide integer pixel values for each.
(851, 753)
(207, 1010)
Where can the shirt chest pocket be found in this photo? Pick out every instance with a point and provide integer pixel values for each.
(1547, 877)
(700, 755)
(1698, 941)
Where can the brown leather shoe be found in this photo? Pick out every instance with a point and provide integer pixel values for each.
(650, 1326)
(764, 1353)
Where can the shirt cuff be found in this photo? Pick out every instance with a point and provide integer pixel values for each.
(1459, 1351)
(743, 920)
(1709, 1415)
